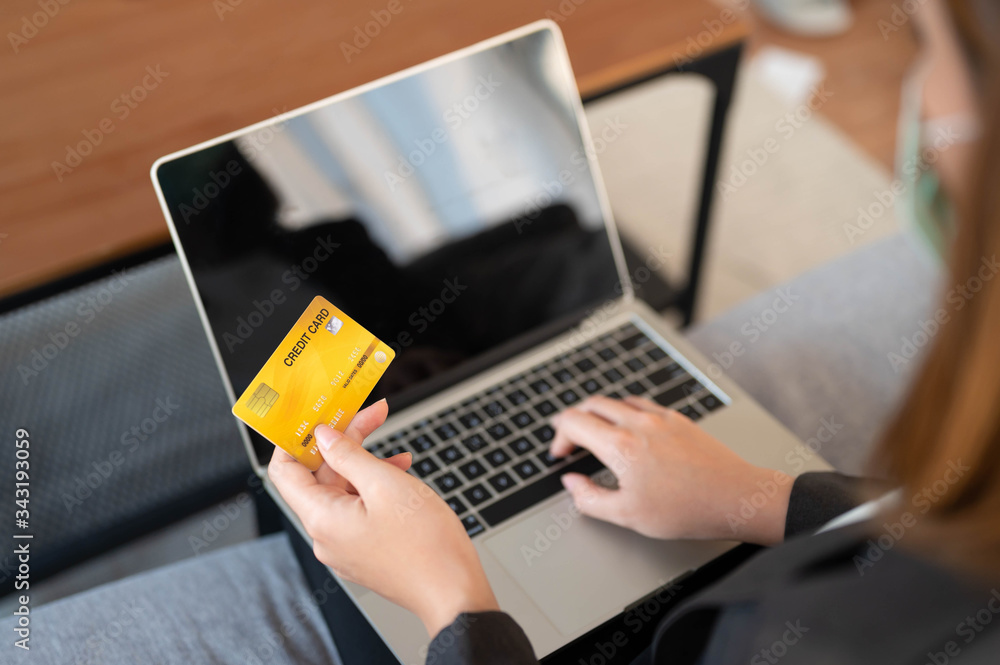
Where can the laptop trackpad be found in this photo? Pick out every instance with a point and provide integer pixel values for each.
(580, 571)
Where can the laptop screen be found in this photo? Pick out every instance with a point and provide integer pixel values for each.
(452, 212)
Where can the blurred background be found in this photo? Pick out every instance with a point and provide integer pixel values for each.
(741, 140)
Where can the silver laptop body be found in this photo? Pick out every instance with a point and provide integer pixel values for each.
(383, 190)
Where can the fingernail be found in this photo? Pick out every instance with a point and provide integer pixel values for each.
(569, 482)
(326, 435)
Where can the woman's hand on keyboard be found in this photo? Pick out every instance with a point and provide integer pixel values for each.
(674, 479)
(378, 526)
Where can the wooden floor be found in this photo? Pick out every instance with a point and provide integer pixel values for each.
(222, 71)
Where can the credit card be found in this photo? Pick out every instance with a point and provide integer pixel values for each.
(322, 372)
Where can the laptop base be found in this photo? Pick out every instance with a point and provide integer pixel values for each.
(359, 644)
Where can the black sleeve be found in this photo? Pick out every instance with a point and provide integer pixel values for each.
(817, 497)
(481, 638)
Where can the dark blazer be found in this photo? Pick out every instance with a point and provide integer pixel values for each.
(845, 596)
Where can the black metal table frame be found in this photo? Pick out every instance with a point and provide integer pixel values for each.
(720, 69)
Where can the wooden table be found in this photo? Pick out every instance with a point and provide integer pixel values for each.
(129, 82)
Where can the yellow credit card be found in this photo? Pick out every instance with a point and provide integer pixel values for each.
(322, 372)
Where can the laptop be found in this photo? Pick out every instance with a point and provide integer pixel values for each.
(456, 210)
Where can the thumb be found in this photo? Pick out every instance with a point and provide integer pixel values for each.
(346, 456)
(367, 420)
(592, 499)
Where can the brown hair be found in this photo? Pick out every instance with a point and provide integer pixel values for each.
(951, 416)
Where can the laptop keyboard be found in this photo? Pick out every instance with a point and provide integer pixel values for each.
(488, 456)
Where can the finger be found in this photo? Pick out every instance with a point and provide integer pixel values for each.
(561, 445)
(328, 476)
(579, 428)
(643, 404)
(361, 426)
(292, 480)
(367, 420)
(652, 407)
(345, 455)
(613, 410)
(402, 461)
(593, 500)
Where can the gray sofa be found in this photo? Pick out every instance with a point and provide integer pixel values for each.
(824, 360)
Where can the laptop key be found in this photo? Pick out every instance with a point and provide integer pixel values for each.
(540, 386)
(474, 443)
(548, 460)
(661, 376)
(522, 419)
(447, 482)
(545, 408)
(471, 420)
(613, 375)
(521, 445)
(678, 392)
(476, 494)
(422, 443)
(690, 412)
(526, 469)
(498, 431)
(656, 354)
(472, 470)
(396, 450)
(501, 482)
(450, 455)
(591, 385)
(497, 457)
(585, 365)
(456, 504)
(446, 431)
(544, 434)
(495, 408)
(544, 487)
(633, 341)
(711, 403)
(517, 397)
(607, 353)
(635, 364)
(472, 525)
(563, 375)
(569, 397)
(636, 388)
(425, 467)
